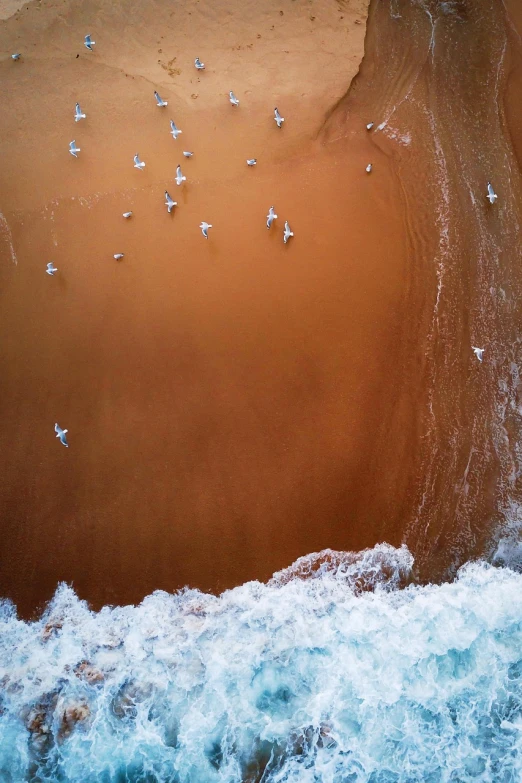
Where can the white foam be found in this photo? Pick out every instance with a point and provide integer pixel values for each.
(4, 227)
(301, 679)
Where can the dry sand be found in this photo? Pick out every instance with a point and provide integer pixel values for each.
(228, 402)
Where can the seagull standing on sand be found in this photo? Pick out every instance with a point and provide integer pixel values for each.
(277, 117)
(233, 100)
(117, 256)
(287, 233)
(51, 269)
(204, 228)
(199, 65)
(270, 217)
(78, 114)
(127, 214)
(88, 43)
(479, 352)
(187, 154)
(369, 126)
(138, 164)
(161, 103)
(175, 131)
(369, 168)
(16, 56)
(61, 434)
(73, 149)
(179, 176)
(251, 161)
(169, 202)
(492, 196)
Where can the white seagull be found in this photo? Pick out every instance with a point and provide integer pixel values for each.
(199, 65)
(479, 352)
(369, 126)
(50, 269)
(233, 100)
(187, 154)
(138, 164)
(179, 176)
(61, 434)
(161, 103)
(270, 217)
(369, 168)
(287, 233)
(251, 161)
(175, 131)
(170, 203)
(88, 43)
(16, 56)
(277, 117)
(492, 196)
(117, 256)
(204, 228)
(73, 149)
(127, 214)
(78, 114)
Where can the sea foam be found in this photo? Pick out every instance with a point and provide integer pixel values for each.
(323, 675)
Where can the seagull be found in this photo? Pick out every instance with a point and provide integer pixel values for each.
(78, 115)
(270, 217)
(51, 269)
(251, 161)
(16, 56)
(127, 214)
(369, 126)
(175, 131)
(138, 164)
(233, 100)
(179, 176)
(61, 434)
(199, 65)
(492, 196)
(161, 103)
(117, 256)
(204, 228)
(369, 168)
(478, 352)
(73, 149)
(277, 117)
(170, 203)
(88, 43)
(287, 233)
(187, 154)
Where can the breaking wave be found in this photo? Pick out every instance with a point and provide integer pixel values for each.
(336, 671)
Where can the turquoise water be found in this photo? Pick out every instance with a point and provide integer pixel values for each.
(308, 680)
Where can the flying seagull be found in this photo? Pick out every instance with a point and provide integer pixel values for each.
(492, 196)
(16, 56)
(199, 65)
(138, 164)
(251, 161)
(270, 217)
(78, 114)
(117, 256)
(51, 269)
(287, 233)
(170, 203)
(175, 131)
(204, 228)
(179, 176)
(127, 214)
(161, 103)
(369, 126)
(61, 434)
(277, 117)
(369, 168)
(187, 154)
(88, 43)
(73, 149)
(233, 100)
(479, 352)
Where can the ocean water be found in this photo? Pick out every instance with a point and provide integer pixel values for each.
(336, 671)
